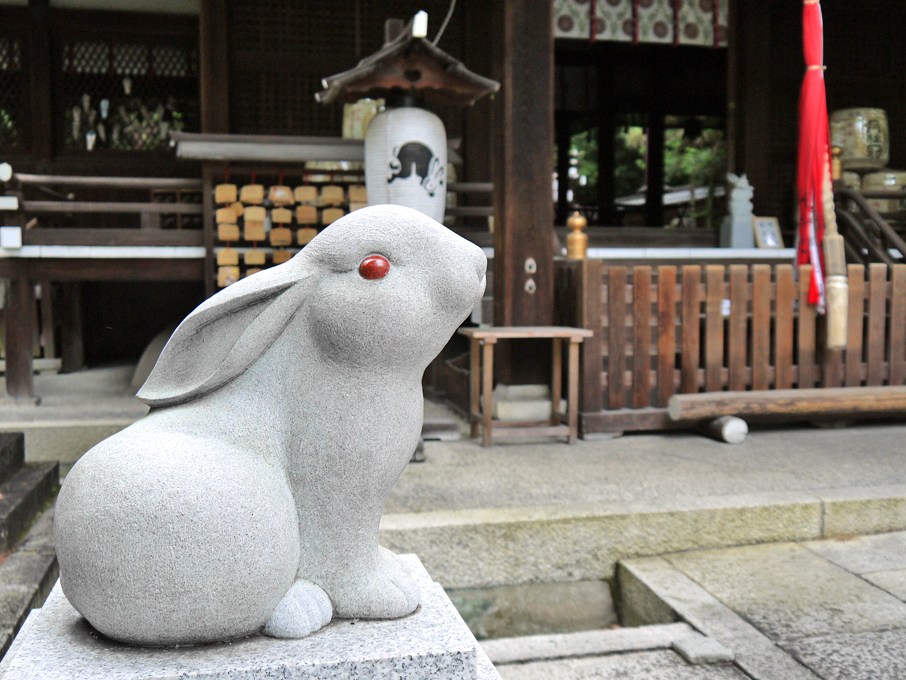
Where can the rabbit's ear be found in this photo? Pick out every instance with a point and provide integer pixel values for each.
(226, 334)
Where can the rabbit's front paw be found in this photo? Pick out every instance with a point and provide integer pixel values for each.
(303, 610)
(387, 592)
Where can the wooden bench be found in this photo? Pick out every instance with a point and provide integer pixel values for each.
(481, 375)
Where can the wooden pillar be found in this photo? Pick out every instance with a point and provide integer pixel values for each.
(20, 331)
(523, 160)
(563, 141)
(214, 66)
(654, 197)
(606, 148)
(208, 227)
(40, 67)
(72, 343)
(749, 96)
(478, 130)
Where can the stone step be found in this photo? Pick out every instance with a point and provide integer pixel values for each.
(26, 577)
(12, 453)
(441, 429)
(64, 440)
(585, 643)
(22, 497)
(586, 540)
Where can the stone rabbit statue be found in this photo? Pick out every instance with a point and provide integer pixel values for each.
(283, 410)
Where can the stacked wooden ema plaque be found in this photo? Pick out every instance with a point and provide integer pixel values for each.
(258, 226)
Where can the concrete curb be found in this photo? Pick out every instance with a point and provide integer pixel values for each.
(578, 542)
(586, 643)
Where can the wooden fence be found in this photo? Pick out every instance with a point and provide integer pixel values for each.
(665, 330)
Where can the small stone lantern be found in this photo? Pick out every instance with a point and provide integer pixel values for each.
(406, 144)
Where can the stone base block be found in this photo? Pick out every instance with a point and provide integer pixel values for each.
(56, 643)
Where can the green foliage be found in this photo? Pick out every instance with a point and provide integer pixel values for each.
(629, 160)
(699, 161)
(9, 132)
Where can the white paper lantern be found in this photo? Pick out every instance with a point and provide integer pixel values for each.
(406, 160)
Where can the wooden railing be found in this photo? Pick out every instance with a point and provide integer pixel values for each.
(667, 330)
(869, 236)
(162, 196)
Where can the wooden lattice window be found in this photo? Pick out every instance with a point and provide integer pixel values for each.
(12, 93)
(281, 49)
(125, 95)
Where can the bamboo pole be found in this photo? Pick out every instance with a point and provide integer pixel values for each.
(836, 283)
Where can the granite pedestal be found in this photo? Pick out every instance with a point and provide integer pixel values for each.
(56, 643)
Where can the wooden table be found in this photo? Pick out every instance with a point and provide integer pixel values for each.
(481, 375)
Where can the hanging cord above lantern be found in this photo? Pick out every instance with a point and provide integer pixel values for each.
(443, 26)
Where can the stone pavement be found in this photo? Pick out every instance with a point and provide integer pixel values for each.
(786, 549)
(833, 609)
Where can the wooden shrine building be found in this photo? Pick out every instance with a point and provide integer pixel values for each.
(116, 228)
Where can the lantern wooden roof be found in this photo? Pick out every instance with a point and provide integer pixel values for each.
(408, 65)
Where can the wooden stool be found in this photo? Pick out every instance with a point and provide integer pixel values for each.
(481, 375)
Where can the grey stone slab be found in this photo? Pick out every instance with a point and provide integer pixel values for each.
(486, 669)
(433, 642)
(755, 653)
(659, 665)
(22, 496)
(12, 453)
(876, 656)
(15, 603)
(864, 510)
(789, 592)
(864, 554)
(65, 441)
(10, 652)
(583, 542)
(585, 643)
(700, 649)
(894, 581)
(656, 467)
(26, 568)
(40, 535)
(535, 608)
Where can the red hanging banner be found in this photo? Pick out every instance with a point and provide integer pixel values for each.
(814, 153)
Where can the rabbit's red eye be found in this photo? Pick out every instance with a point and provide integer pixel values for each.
(374, 267)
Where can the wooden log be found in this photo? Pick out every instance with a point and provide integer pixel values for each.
(20, 330)
(789, 404)
(728, 429)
